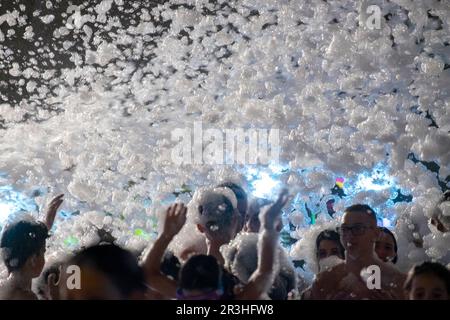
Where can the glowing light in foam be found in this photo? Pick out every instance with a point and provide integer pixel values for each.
(12, 202)
(265, 181)
(340, 182)
(378, 179)
(387, 223)
(263, 185)
(5, 210)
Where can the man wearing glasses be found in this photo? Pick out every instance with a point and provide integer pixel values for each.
(345, 281)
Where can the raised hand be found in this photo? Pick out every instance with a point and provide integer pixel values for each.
(270, 216)
(175, 219)
(52, 209)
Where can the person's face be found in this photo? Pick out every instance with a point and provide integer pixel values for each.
(252, 224)
(224, 234)
(385, 247)
(328, 248)
(94, 285)
(358, 233)
(428, 287)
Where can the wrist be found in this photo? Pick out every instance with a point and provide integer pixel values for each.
(166, 236)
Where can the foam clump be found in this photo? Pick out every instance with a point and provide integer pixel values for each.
(344, 97)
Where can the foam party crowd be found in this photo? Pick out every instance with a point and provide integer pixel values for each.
(225, 150)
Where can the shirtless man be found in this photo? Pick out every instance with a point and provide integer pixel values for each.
(358, 233)
(23, 250)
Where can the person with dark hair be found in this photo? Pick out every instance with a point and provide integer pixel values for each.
(170, 266)
(428, 281)
(217, 219)
(328, 244)
(106, 272)
(259, 282)
(251, 221)
(359, 233)
(23, 252)
(386, 246)
(242, 201)
(200, 279)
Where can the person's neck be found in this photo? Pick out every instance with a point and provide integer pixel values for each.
(20, 280)
(214, 250)
(360, 261)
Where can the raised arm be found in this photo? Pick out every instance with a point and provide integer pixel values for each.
(174, 221)
(260, 280)
(52, 210)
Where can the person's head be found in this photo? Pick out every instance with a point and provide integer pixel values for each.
(359, 230)
(440, 220)
(428, 281)
(105, 272)
(328, 244)
(200, 279)
(23, 247)
(217, 217)
(252, 223)
(386, 246)
(241, 196)
(170, 266)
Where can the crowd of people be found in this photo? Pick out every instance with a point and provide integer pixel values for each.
(254, 266)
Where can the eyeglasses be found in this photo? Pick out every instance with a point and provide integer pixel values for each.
(355, 230)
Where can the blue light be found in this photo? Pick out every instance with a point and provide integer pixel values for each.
(12, 202)
(378, 179)
(5, 210)
(264, 185)
(265, 181)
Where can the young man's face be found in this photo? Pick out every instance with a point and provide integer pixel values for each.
(358, 233)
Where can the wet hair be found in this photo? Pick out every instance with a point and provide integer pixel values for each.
(330, 235)
(239, 192)
(432, 268)
(118, 265)
(362, 208)
(170, 265)
(21, 241)
(387, 231)
(215, 217)
(200, 272)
